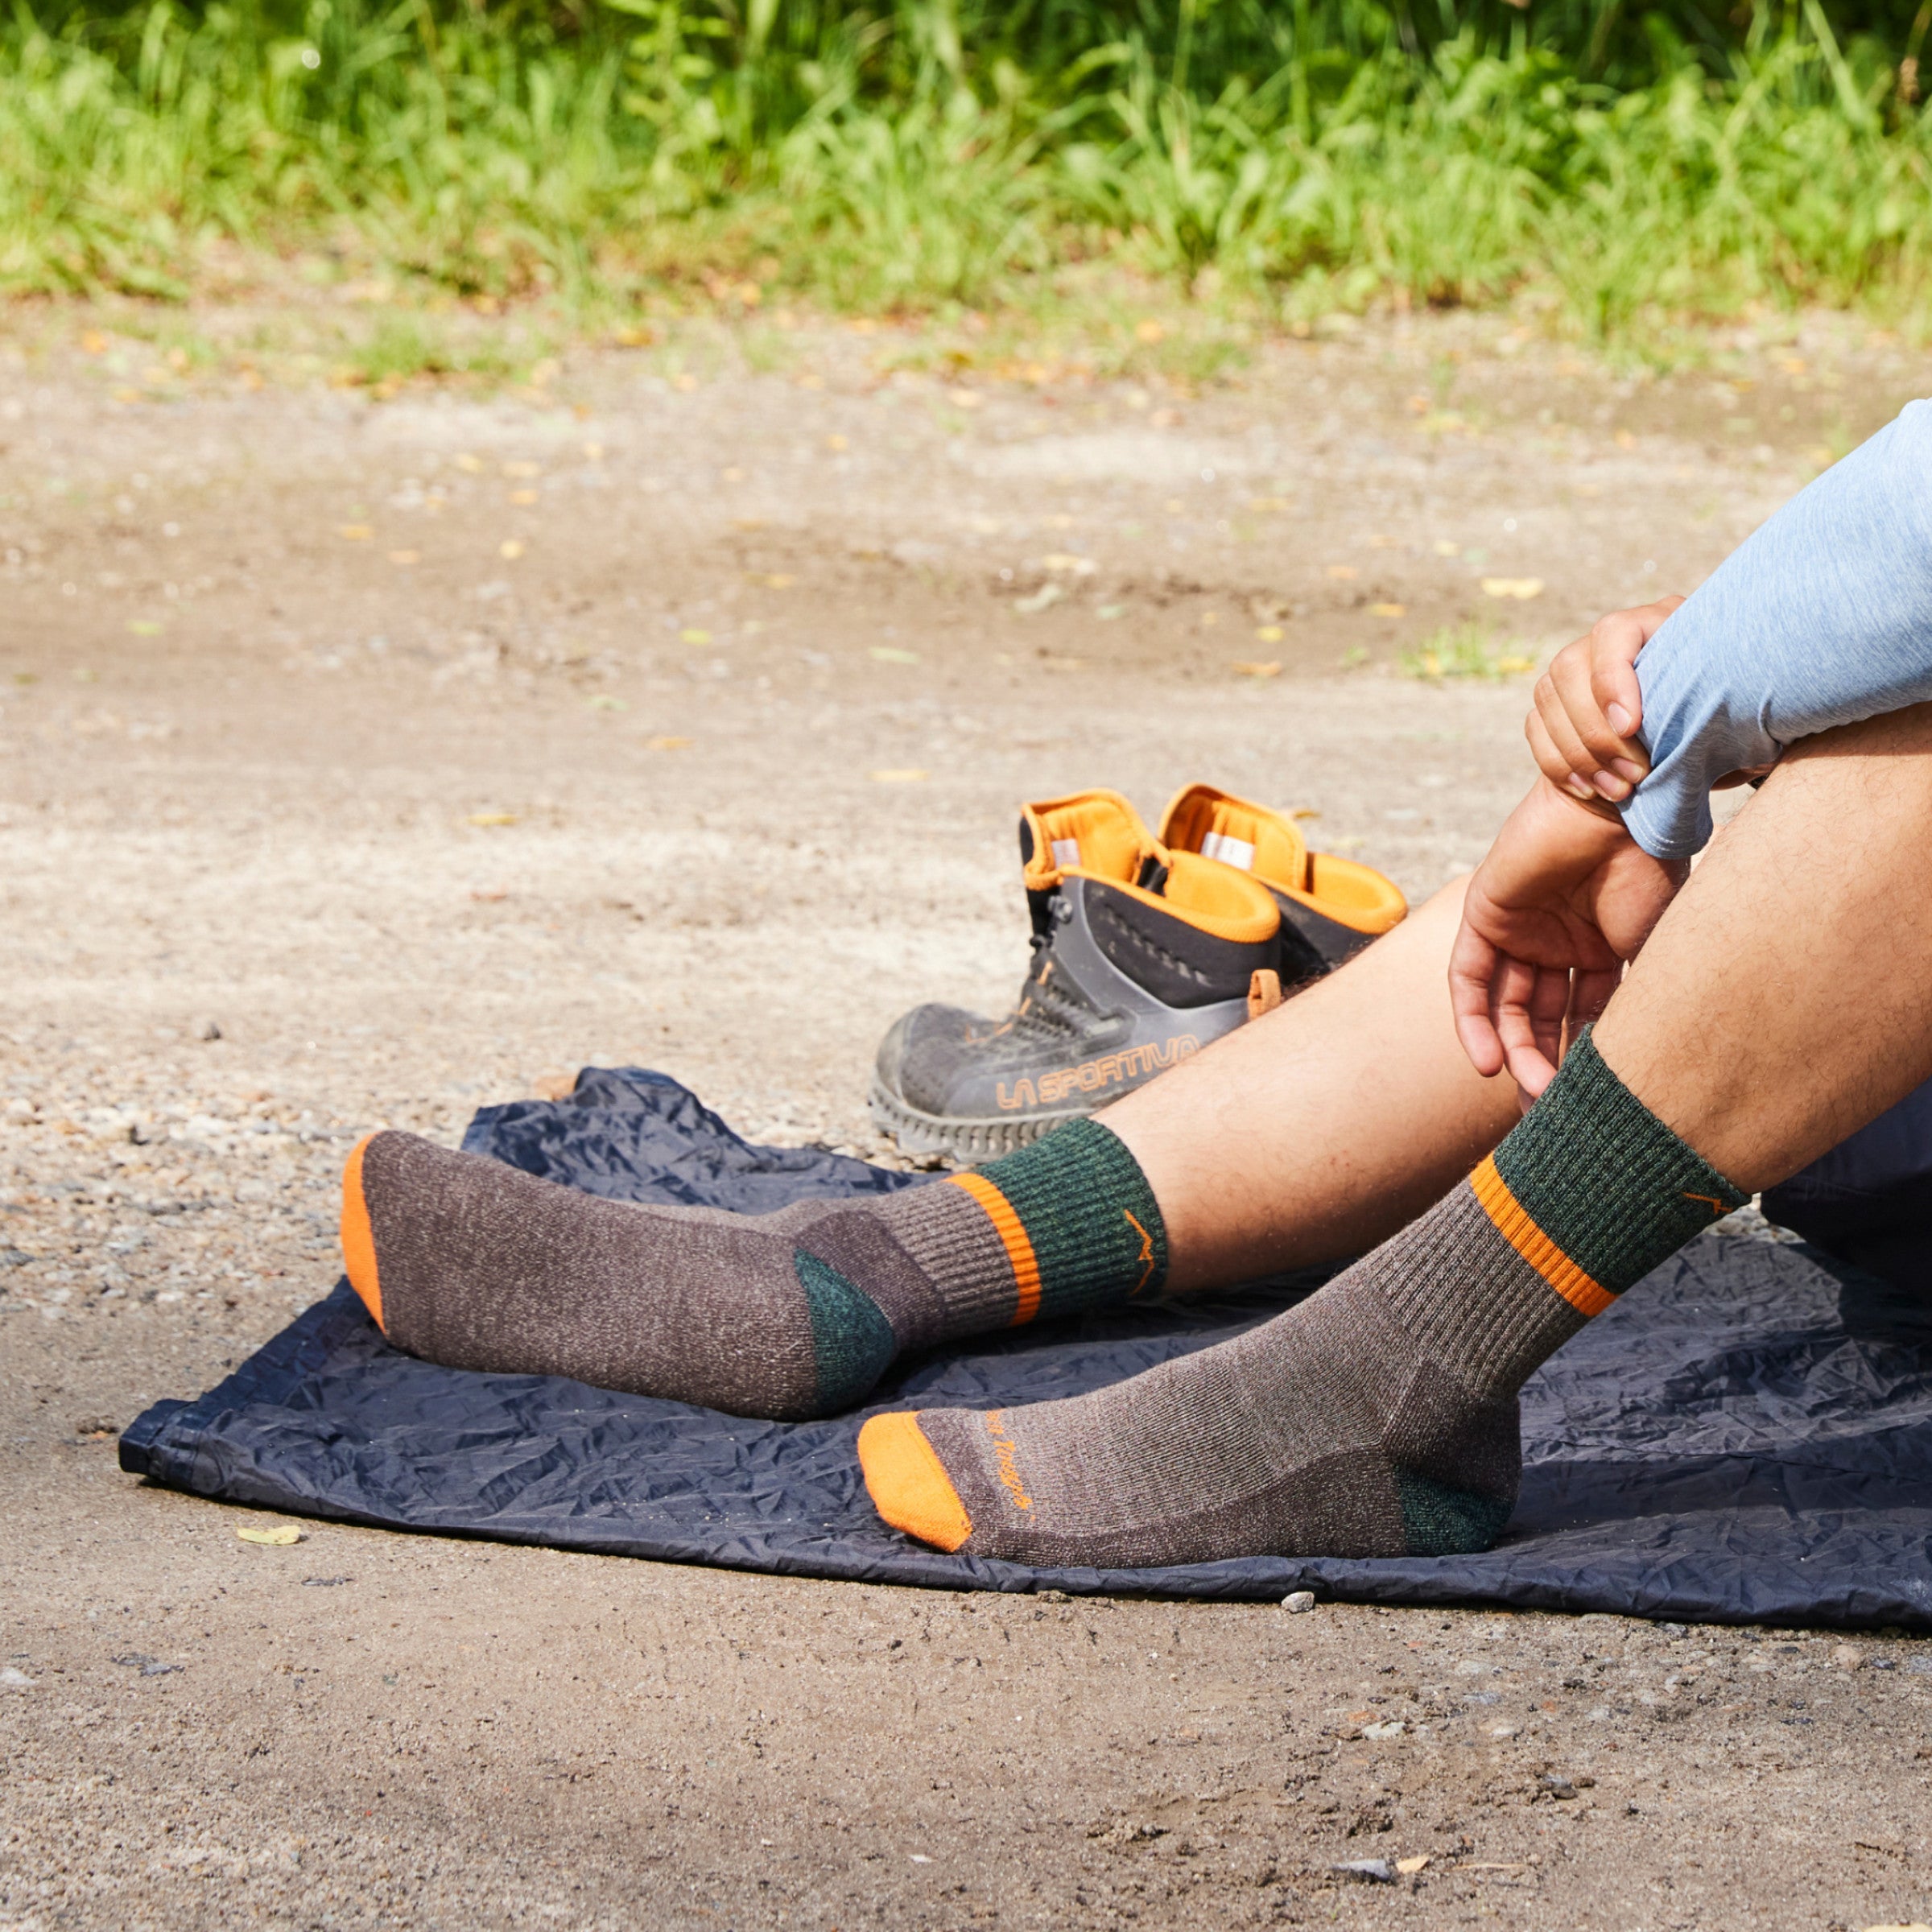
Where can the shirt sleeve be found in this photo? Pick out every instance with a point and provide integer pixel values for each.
(1823, 616)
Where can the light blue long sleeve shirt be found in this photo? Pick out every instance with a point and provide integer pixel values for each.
(1823, 616)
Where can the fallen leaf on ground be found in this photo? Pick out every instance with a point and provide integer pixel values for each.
(1408, 1867)
(1271, 669)
(1269, 634)
(1046, 594)
(1305, 811)
(910, 774)
(355, 533)
(280, 1538)
(1523, 588)
(510, 549)
(1388, 610)
(1343, 573)
(667, 743)
(553, 1086)
(890, 654)
(492, 818)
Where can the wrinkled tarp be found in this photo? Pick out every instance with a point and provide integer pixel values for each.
(1746, 1436)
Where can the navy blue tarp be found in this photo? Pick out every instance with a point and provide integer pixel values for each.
(1746, 1436)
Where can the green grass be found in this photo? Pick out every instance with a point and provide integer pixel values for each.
(1620, 171)
(1466, 650)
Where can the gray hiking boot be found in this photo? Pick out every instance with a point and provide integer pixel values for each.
(1145, 948)
(1140, 957)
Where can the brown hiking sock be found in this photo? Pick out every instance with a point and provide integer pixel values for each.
(1377, 1418)
(467, 1262)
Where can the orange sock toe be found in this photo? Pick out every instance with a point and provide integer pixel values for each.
(909, 1483)
(358, 1237)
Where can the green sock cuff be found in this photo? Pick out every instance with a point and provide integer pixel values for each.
(1604, 1179)
(1096, 1231)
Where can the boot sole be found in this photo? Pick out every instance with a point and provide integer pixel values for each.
(968, 1141)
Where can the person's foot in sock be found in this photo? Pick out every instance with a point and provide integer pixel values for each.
(1377, 1418)
(469, 1263)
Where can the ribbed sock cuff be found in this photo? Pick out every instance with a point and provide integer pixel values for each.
(1604, 1179)
(1089, 1215)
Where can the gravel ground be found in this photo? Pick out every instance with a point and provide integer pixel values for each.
(365, 761)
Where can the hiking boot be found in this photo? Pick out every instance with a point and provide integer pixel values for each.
(1099, 1014)
(1140, 957)
(1330, 907)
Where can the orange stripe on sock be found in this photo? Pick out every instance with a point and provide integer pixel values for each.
(1019, 1249)
(1513, 1223)
(908, 1483)
(358, 1237)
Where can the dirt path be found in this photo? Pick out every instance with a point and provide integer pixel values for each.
(427, 749)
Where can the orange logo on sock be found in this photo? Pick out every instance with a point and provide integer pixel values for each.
(1717, 1207)
(1146, 1253)
(1003, 1451)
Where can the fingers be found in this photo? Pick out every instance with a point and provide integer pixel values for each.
(1613, 763)
(1528, 1006)
(1588, 706)
(1613, 655)
(1472, 962)
(1560, 754)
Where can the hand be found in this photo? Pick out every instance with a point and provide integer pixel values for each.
(1582, 729)
(1565, 897)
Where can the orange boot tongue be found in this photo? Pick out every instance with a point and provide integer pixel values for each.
(1219, 826)
(1096, 833)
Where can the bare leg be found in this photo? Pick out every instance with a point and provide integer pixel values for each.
(1782, 1001)
(1785, 998)
(1317, 1131)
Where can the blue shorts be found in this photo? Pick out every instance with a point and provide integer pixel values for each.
(1869, 1201)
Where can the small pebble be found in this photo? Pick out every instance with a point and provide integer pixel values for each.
(1296, 1601)
(1848, 1657)
(1368, 1870)
(1556, 1786)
